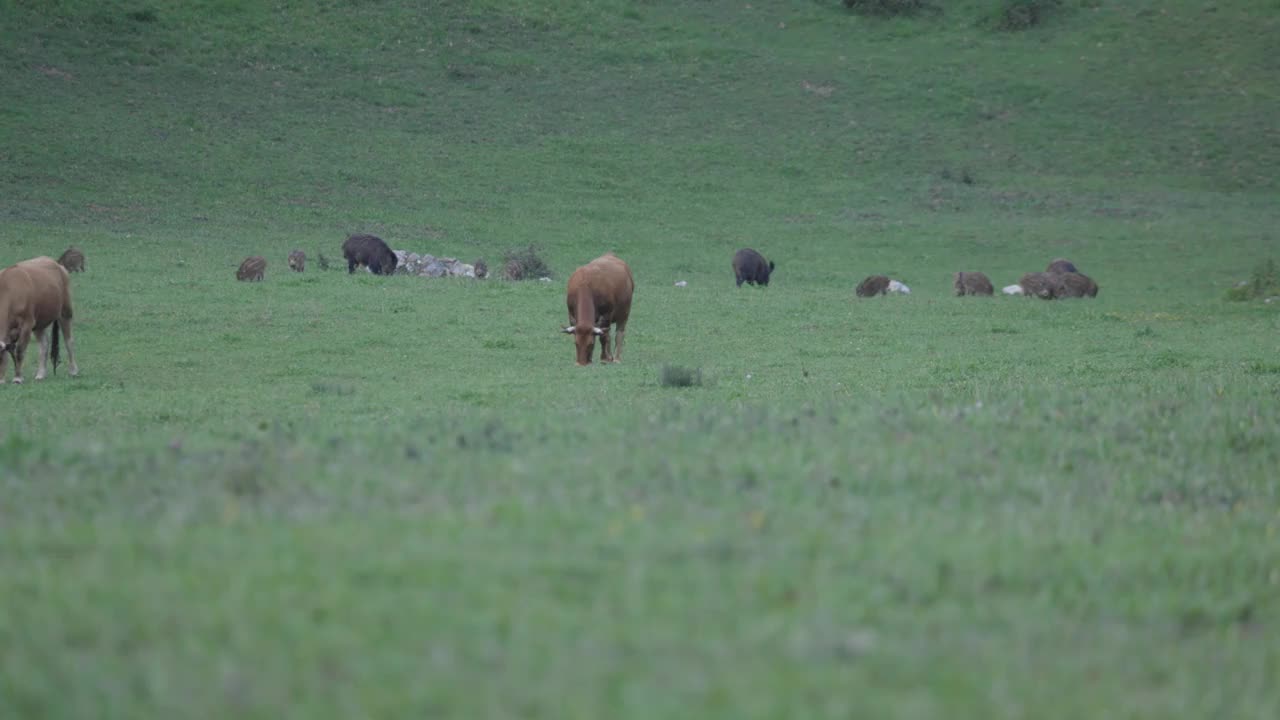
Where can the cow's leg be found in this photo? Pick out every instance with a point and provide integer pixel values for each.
(4, 365)
(20, 354)
(605, 356)
(43, 337)
(617, 347)
(71, 346)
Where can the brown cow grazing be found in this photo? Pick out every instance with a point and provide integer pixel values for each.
(370, 251)
(599, 295)
(297, 260)
(252, 268)
(1061, 265)
(872, 286)
(1046, 286)
(750, 267)
(1077, 285)
(973, 283)
(72, 260)
(34, 295)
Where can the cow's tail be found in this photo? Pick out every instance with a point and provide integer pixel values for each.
(56, 330)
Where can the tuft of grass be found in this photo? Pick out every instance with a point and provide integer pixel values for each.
(1016, 15)
(1264, 281)
(322, 261)
(889, 8)
(680, 376)
(893, 491)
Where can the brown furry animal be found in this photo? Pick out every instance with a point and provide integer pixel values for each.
(750, 267)
(1046, 286)
(599, 295)
(34, 295)
(72, 259)
(370, 251)
(482, 269)
(973, 283)
(873, 285)
(1061, 265)
(252, 268)
(1078, 285)
(297, 261)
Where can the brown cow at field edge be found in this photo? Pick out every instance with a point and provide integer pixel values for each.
(35, 294)
(599, 295)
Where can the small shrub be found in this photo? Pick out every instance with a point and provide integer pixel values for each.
(888, 8)
(680, 376)
(524, 264)
(964, 176)
(1263, 282)
(1015, 15)
(145, 15)
(322, 261)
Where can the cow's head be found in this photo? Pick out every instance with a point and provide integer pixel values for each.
(9, 336)
(585, 339)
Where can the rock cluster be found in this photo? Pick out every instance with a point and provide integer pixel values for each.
(424, 265)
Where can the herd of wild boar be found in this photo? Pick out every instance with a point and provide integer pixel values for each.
(35, 295)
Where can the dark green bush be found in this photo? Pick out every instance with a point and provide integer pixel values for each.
(1263, 282)
(1014, 15)
(678, 376)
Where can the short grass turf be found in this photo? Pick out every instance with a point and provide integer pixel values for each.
(333, 495)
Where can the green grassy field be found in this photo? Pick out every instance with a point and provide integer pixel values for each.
(332, 495)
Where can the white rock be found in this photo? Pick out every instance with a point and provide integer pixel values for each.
(1012, 290)
(682, 283)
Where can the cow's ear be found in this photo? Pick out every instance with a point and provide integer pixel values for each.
(568, 330)
(597, 331)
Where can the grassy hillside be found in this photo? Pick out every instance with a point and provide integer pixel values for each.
(327, 495)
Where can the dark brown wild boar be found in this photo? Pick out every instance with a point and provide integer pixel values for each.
(1061, 265)
(973, 283)
(1078, 285)
(297, 261)
(1046, 286)
(750, 267)
(72, 260)
(252, 268)
(370, 251)
(873, 285)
